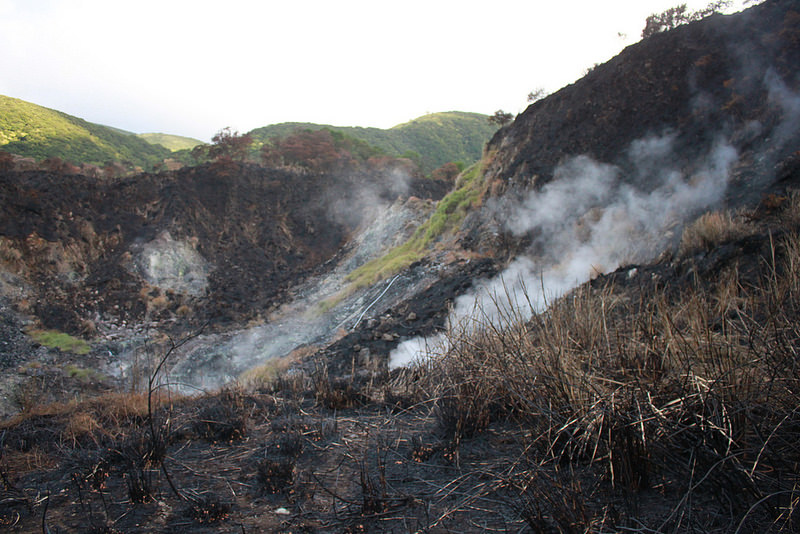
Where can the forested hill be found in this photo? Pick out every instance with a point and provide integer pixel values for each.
(37, 132)
(33, 131)
(172, 142)
(436, 138)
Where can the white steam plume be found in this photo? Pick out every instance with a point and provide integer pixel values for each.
(361, 197)
(789, 102)
(588, 220)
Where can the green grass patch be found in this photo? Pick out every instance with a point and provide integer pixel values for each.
(81, 374)
(59, 340)
(325, 306)
(449, 214)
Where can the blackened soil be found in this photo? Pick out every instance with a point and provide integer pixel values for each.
(422, 314)
(261, 230)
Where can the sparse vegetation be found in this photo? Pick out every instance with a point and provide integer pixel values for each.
(711, 229)
(678, 15)
(59, 340)
(450, 212)
(501, 118)
(537, 94)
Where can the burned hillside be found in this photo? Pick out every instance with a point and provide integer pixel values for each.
(237, 236)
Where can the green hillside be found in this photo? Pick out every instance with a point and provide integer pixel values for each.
(34, 131)
(171, 142)
(437, 137)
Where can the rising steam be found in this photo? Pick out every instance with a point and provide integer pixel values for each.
(590, 219)
(356, 198)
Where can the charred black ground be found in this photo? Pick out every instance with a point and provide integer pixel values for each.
(261, 230)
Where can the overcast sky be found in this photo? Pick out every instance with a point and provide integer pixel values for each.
(192, 67)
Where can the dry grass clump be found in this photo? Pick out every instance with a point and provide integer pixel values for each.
(336, 393)
(35, 438)
(690, 393)
(65, 421)
(265, 375)
(711, 229)
(791, 209)
(10, 255)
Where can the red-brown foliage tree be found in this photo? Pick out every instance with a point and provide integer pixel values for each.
(113, 169)
(448, 171)
(229, 145)
(6, 161)
(312, 149)
(57, 165)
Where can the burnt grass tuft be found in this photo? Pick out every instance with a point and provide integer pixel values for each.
(275, 474)
(222, 418)
(208, 509)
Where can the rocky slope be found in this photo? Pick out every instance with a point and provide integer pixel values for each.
(221, 247)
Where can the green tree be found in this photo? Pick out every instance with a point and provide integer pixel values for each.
(501, 118)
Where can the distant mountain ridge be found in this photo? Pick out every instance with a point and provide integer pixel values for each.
(30, 130)
(169, 141)
(34, 131)
(438, 138)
